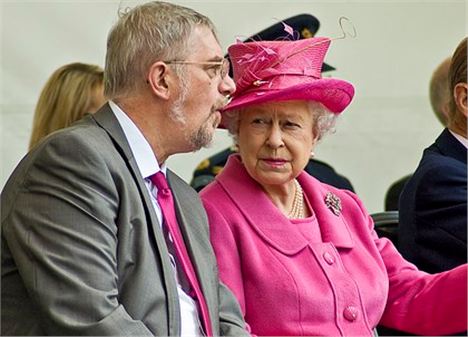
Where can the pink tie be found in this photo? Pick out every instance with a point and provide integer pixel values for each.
(166, 203)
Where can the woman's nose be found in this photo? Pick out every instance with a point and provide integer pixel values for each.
(275, 137)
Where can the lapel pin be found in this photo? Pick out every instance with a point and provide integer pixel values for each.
(333, 203)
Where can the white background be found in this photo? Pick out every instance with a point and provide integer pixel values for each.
(378, 139)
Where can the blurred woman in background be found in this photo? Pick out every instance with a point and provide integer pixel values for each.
(72, 91)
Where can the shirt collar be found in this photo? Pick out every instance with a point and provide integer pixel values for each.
(144, 156)
(460, 138)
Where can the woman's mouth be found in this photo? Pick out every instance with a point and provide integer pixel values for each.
(274, 162)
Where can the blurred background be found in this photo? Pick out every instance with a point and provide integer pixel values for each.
(378, 139)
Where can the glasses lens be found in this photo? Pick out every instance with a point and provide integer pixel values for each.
(225, 68)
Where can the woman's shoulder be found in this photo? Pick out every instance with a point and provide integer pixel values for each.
(214, 195)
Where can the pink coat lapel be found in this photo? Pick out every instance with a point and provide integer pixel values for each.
(333, 227)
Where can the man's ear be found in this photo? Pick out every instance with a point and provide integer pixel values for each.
(445, 108)
(159, 79)
(460, 93)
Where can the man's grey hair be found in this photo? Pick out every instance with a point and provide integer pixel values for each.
(323, 120)
(155, 31)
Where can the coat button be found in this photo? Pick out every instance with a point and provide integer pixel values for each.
(350, 313)
(328, 258)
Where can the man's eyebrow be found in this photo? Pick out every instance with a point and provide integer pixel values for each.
(216, 59)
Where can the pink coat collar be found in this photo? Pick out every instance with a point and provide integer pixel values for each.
(269, 223)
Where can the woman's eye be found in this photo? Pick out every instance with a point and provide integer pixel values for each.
(289, 124)
(258, 121)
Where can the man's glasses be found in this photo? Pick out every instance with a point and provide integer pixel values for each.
(221, 67)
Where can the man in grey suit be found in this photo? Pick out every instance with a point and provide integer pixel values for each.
(83, 246)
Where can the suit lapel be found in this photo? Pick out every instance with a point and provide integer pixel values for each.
(193, 226)
(188, 213)
(450, 146)
(107, 120)
(185, 215)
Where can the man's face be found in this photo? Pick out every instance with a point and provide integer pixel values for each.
(202, 91)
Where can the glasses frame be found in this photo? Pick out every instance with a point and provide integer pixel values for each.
(224, 65)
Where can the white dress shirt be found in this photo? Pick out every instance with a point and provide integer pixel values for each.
(460, 138)
(148, 165)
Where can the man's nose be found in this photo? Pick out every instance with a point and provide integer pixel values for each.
(227, 86)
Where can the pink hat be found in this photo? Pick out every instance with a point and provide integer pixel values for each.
(271, 71)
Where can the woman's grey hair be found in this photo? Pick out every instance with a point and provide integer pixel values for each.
(155, 31)
(323, 120)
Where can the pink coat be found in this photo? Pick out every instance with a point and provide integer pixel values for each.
(343, 283)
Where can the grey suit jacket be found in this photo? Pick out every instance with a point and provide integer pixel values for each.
(82, 250)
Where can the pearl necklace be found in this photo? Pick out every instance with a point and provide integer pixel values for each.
(297, 209)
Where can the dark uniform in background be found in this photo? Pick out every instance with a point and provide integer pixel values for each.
(304, 26)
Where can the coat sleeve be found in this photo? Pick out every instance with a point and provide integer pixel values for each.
(60, 227)
(418, 302)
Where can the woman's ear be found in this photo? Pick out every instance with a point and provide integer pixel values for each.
(460, 93)
(315, 138)
(159, 79)
(312, 147)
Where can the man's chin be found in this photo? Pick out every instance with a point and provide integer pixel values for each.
(197, 147)
(202, 139)
(208, 144)
(209, 138)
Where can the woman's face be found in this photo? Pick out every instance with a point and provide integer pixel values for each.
(275, 141)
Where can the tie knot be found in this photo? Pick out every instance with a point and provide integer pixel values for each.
(159, 180)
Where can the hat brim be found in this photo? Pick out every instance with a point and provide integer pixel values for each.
(333, 93)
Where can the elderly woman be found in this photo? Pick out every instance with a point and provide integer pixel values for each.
(301, 256)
